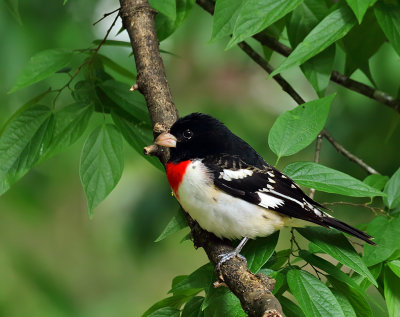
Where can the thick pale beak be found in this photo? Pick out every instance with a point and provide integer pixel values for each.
(166, 139)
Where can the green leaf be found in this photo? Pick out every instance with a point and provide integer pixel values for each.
(359, 7)
(392, 189)
(348, 310)
(303, 19)
(101, 163)
(376, 181)
(193, 307)
(359, 48)
(41, 66)
(258, 251)
(225, 15)
(364, 283)
(392, 292)
(166, 312)
(256, 15)
(174, 302)
(336, 244)
(388, 16)
(165, 7)
(177, 223)
(318, 69)
(296, 129)
(328, 180)
(278, 259)
(336, 25)
(69, 124)
(23, 141)
(221, 302)
(138, 135)
(107, 62)
(201, 279)
(166, 25)
(356, 297)
(394, 266)
(314, 297)
(131, 102)
(387, 237)
(32, 102)
(328, 268)
(289, 308)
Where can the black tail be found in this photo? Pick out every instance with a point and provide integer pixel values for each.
(337, 224)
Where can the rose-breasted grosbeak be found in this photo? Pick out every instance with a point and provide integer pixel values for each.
(225, 185)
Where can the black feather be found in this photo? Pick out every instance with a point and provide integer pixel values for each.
(337, 224)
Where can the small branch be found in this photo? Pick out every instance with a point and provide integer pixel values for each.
(269, 69)
(376, 210)
(105, 15)
(366, 90)
(89, 60)
(106, 36)
(253, 291)
(340, 148)
(318, 144)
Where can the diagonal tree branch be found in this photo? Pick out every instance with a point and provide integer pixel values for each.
(336, 77)
(341, 149)
(253, 291)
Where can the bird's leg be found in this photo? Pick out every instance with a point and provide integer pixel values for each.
(227, 256)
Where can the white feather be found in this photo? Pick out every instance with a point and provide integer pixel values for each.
(269, 201)
(228, 175)
(222, 214)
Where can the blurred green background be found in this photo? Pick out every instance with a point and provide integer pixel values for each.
(54, 261)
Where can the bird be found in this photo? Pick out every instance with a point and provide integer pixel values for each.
(228, 188)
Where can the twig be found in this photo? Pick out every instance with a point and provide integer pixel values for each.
(105, 15)
(254, 292)
(269, 69)
(347, 153)
(336, 77)
(88, 61)
(106, 36)
(318, 144)
(375, 210)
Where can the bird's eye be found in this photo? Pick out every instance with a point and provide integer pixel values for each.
(188, 134)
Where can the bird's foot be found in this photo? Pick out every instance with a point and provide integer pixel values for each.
(230, 255)
(227, 256)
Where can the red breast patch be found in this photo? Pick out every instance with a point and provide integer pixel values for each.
(175, 172)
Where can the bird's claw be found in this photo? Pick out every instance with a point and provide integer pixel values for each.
(227, 256)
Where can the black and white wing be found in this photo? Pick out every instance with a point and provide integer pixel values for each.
(267, 187)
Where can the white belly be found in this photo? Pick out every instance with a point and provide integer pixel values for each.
(221, 213)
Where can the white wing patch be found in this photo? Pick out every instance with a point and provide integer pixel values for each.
(302, 204)
(229, 175)
(289, 198)
(268, 201)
